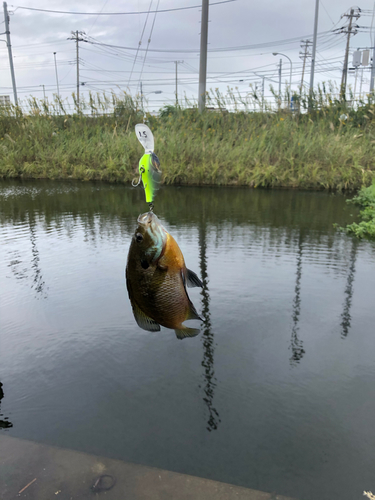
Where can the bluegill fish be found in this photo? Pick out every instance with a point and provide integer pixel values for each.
(156, 279)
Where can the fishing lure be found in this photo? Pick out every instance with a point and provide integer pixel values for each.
(149, 164)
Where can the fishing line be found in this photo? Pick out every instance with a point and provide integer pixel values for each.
(148, 43)
(140, 41)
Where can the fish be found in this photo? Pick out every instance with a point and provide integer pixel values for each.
(156, 280)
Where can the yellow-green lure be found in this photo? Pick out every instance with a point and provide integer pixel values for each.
(149, 164)
(150, 174)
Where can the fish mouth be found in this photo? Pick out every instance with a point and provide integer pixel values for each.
(146, 218)
(149, 218)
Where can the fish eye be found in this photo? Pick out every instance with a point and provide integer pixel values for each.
(139, 237)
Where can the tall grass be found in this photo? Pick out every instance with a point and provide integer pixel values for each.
(326, 144)
(366, 227)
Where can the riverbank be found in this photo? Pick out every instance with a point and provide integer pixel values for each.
(33, 470)
(366, 227)
(317, 150)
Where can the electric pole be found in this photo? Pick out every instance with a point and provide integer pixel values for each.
(263, 93)
(203, 57)
(177, 63)
(7, 32)
(77, 36)
(314, 47)
(280, 68)
(304, 55)
(57, 79)
(347, 30)
(372, 77)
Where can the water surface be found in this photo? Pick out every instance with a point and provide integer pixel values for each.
(277, 393)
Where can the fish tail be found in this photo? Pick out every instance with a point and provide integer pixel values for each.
(184, 332)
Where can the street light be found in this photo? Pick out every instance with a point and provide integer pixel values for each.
(147, 93)
(290, 79)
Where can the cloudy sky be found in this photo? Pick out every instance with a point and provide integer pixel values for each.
(242, 36)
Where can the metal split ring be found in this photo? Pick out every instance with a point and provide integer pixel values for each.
(104, 482)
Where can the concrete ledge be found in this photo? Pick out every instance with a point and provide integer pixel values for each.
(39, 472)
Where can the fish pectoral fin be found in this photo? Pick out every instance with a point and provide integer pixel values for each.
(193, 312)
(184, 332)
(192, 279)
(144, 321)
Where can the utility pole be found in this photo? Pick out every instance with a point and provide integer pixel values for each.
(77, 46)
(7, 32)
(280, 67)
(77, 36)
(263, 94)
(57, 79)
(203, 57)
(348, 31)
(177, 63)
(304, 55)
(314, 48)
(372, 77)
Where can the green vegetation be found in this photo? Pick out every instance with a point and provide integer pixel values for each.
(315, 149)
(366, 228)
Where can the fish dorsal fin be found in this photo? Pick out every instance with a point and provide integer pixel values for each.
(184, 332)
(192, 279)
(144, 322)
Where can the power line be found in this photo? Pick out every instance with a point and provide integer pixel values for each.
(222, 49)
(140, 41)
(119, 13)
(148, 42)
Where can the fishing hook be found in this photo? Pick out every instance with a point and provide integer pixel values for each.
(142, 171)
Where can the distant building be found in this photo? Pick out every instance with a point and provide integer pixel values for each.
(4, 100)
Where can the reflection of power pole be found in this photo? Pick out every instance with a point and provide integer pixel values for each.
(38, 283)
(4, 424)
(345, 316)
(296, 344)
(207, 336)
(304, 55)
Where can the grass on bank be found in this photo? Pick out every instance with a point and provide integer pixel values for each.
(315, 149)
(366, 228)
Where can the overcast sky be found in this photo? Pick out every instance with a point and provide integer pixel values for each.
(36, 35)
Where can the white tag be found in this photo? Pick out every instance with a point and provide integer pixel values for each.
(145, 137)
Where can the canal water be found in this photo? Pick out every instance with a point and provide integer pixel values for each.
(277, 393)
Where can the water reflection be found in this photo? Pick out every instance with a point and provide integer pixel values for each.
(17, 262)
(345, 316)
(4, 423)
(207, 336)
(38, 283)
(296, 344)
